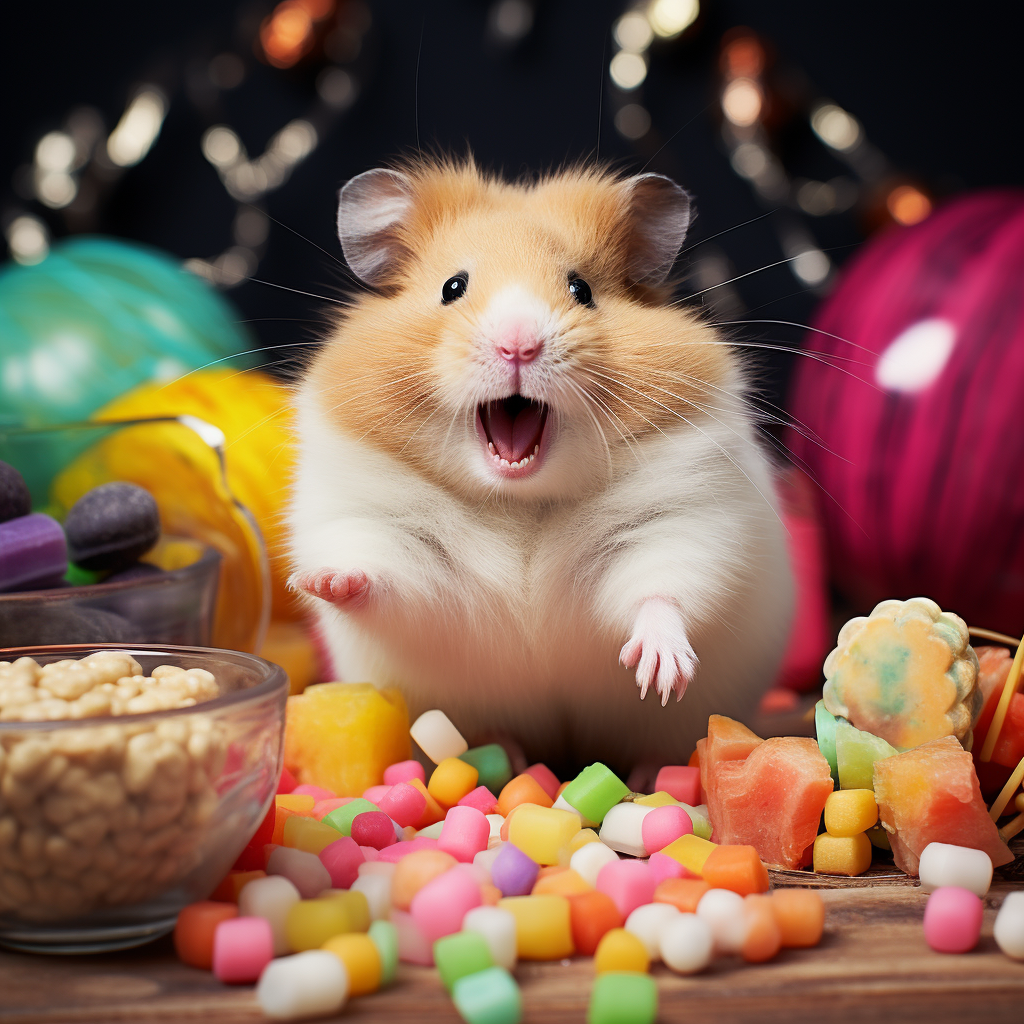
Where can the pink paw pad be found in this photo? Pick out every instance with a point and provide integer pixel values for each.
(341, 588)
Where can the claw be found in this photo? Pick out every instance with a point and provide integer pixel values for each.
(339, 588)
(660, 651)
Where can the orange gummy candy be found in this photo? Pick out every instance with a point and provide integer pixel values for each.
(764, 936)
(682, 893)
(800, 915)
(193, 932)
(523, 789)
(413, 872)
(738, 868)
(591, 915)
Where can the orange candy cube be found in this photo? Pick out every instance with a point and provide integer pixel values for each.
(193, 932)
(800, 915)
(451, 780)
(591, 916)
(413, 872)
(564, 882)
(682, 893)
(764, 937)
(738, 868)
(523, 789)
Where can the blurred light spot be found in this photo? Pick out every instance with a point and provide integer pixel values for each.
(743, 57)
(811, 266)
(908, 205)
(221, 146)
(633, 32)
(168, 369)
(55, 151)
(226, 70)
(816, 198)
(835, 127)
(287, 34)
(916, 357)
(294, 142)
(628, 70)
(251, 227)
(138, 128)
(337, 88)
(669, 18)
(742, 102)
(511, 21)
(56, 189)
(633, 121)
(28, 239)
(85, 126)
(235, 265)
(750, 160)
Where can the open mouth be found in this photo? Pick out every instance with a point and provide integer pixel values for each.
(513, 432)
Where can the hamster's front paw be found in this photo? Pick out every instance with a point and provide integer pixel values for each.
(343, 589)
(659, 650)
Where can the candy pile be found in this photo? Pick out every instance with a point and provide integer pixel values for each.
(333, 891)
(104, 534)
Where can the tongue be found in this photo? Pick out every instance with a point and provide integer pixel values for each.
(513, 438)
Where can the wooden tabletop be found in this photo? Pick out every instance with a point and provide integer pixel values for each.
(872, 965)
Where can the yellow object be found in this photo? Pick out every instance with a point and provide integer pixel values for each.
(451, 780)
(849, 811)
(620, 950)
(543, 931)
(310, 923)
(356, 906)
(906, 672)
(659, 799)
(289, 645)
(309, 834)
(361, 958)
(562, 883)
(691, 851)
(343, 735)
(1006, 793)
(542, 833)
(879, 838)
(849, 855)
(584, 836)
(300, 802)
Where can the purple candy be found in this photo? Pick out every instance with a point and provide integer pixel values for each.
(513, 872)
(32, 552)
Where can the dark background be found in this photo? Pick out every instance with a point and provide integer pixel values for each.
(936, 86)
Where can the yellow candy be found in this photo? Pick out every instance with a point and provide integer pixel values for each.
(849, 855)
(361, 958)
(343, 735)
(542, 833)
(659, 799)
(451, 780)
(543, 930)
(309, 834)
(849, 811)
(691, 851)
(620, 950)
(310, 923)
(584, 836)
(356, 906)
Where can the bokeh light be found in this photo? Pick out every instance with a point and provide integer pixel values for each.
(632, 121)
(28, 239)
(835, 127)
(908, 205)
(633, 32)
(140, 124)
(670, 18)
(742, 102)
(628, 70)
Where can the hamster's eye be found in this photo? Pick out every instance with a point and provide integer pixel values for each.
(580, 291)
(454, 288)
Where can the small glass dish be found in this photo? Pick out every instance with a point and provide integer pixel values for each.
(110, 825)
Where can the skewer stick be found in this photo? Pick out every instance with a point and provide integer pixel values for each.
(1010, 829)
(1000, 802)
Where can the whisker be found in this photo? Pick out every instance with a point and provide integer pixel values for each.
(791, 323)
(732, 280)
(239, 355)
(298, 291)
(329, 255)
(725, 231)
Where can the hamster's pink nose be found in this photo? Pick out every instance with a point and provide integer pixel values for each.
(519, 344)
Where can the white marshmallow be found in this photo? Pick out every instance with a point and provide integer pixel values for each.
(495, 821)
(310, 984)
(270, 898)
(687, 944)
(943, 864)
(622, 828)
(588, 860)
(648, 924)
(722, 911)
(377, 890)
(437, 737)
(1009, 926)
(498, 927)
(485, 858)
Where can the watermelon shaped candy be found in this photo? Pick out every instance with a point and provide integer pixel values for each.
(773, 800)
(727, 740)
(931, 795)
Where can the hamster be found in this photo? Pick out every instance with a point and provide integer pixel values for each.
(529, 491)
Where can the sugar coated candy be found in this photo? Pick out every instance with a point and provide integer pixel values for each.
(543, 926)
(403, 803)
(800, 915)
(451, 780)
(628, 882)
(683, 893)
(623, 997)
(546, 778)
(736, 867)
(413, 946)
(492, 764)
(591, 916)
(691, 851)
(310, 984)
(304, 870)
(373, 828)
(906, 672)
(439, 907)
(952, 920)
(621, 950)
(849, 811)
(648, 922)
(682, 782)
(523, 789)
(1009, 927)
(490, 996)
(33, 552)
(385, 935)
(498, 929)
(622, 828)
(377, 890)
(664, 825)
(414, 871)
(310, 923)
(850, 855)
(404, 771)
(356, 907)
(361, 958)
(462, 953)
(242, 947)
(542, 833)
(464, 833)
(722, 911)
(594, 792)
(687, 944)
(943, 864)
(437, 737)
(513, 872)
(588, 860)
(110, 526)
(342, 817)
(194, 929)
(763, 937)
(270, 898)
(342, 860)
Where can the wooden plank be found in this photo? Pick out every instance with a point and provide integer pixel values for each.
(872, 965)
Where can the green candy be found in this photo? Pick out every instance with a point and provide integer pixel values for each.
(493, 765)
(856, 754)
(595, 791)
(825, 728)
(488, 997)
(461, 954)
(701, 822)
(385, 938)
(341, 817)
(623, 997)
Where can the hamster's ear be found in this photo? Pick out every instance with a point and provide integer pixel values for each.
(659, 214)
(372, 208)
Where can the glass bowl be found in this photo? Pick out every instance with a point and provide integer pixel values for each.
(110, 825)
(175, 606)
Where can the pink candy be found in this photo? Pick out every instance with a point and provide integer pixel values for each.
(316, 792)
(439, 907)
(324, 807)
(413, 946)
(304, 870)
(374, 793)
(680, 782)
(373, 828)
(952, 920)
(664, 825)
(629, 883)
(545, 777)
(482, 799)
(285, 784)
(464, 833)
(397, 851)
(404, 803)
(342, 859)
(242, 947)
(403, 771)
(663, 867)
